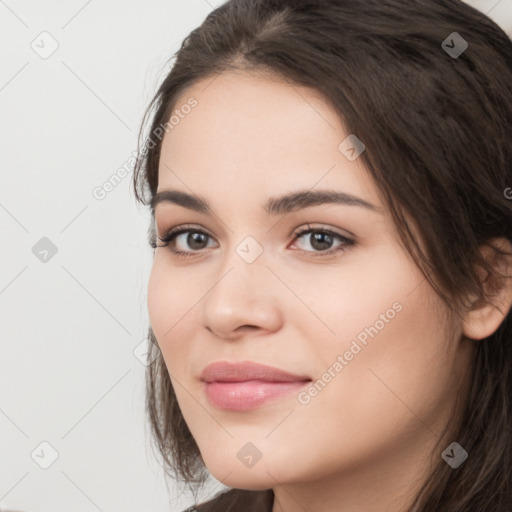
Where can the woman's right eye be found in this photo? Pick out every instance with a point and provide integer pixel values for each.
(194, 238)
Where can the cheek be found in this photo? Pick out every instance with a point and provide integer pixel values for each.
(391, 390)
(399, 367)
(383, 320)
(168, 305)
(339, 302)
(157, 287)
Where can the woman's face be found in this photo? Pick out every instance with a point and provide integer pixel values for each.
(346, 309)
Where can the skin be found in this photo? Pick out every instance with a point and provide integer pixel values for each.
(364, 442)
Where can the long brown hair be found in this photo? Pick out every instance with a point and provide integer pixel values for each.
(438, 134)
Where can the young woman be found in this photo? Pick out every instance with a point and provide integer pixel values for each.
(330, 185)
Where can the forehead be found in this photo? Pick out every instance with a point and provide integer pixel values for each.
(256, 134)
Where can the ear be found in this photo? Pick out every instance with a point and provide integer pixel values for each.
(483, 318)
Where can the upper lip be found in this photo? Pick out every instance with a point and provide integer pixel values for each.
(223, 371)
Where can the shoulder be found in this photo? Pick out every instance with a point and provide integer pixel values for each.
(233, 500)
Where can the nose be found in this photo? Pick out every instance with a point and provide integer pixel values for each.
(244, 298)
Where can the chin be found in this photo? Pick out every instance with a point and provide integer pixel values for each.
(235, 474)
(246, 479)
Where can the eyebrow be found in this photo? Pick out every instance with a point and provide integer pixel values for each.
(274, 205)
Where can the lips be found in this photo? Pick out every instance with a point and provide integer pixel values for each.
(247, 385)
(247, 370)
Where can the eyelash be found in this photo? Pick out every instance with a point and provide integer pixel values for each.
(169, 237)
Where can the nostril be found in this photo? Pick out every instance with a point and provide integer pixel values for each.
(246, 327)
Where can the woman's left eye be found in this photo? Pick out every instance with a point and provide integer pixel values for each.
(321, 240)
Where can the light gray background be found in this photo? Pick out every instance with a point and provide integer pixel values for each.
(68, 374)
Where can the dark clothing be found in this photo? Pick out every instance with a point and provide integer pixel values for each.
(237, 500)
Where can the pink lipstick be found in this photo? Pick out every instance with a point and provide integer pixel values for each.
(247, 385)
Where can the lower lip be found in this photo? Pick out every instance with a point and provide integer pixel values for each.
(250, 394)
